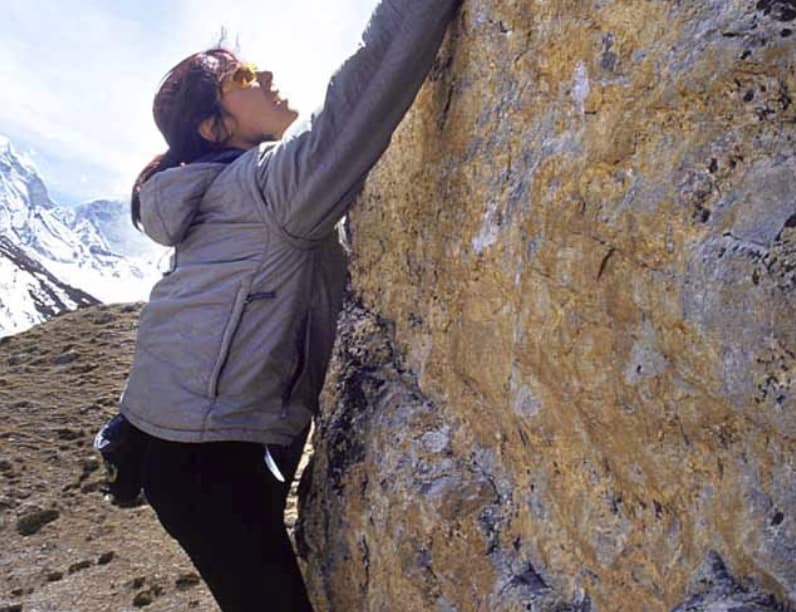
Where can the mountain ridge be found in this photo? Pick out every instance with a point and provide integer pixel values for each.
(92, 247)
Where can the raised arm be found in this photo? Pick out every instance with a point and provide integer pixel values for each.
(309, 179)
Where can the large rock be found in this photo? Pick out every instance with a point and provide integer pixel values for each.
(570, 380)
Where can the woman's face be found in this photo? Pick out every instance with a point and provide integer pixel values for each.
(257, 113)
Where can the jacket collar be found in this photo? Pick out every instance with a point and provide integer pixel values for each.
(170, 199)
(222, 156)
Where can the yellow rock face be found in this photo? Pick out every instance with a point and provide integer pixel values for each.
(583, 236)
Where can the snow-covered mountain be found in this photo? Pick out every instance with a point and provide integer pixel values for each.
(111, 220)
(29, 293)
(93, 247)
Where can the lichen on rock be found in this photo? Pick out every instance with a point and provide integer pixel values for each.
(580, 254)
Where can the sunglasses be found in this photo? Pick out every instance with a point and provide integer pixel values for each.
(242, 77)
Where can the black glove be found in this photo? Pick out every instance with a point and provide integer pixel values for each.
(122, 448)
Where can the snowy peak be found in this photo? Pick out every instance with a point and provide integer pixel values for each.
(27, 215)
(73, 244)
(101, 211)
(49, 250)
(21, 187)
(29, 293)
(90, 222)
(110, 219)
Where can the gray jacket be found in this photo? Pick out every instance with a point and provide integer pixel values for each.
(234, 341)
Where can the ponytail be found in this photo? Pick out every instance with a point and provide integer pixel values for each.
(158, 164)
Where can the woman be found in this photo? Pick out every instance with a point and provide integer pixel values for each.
(234, 342)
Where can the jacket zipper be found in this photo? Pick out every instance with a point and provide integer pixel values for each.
(259, 295)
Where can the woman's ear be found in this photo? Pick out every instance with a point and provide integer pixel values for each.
(206, 128)
(213, 130)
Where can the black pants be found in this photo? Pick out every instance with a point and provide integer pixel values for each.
(226, 509)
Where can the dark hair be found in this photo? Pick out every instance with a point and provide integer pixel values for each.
(188, 94)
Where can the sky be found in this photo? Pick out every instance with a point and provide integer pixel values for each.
(78, 76)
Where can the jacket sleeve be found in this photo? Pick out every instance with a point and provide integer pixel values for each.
(310, 178)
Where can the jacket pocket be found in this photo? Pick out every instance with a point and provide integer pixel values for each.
(242, 299)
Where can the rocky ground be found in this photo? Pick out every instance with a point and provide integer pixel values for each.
(64, 547)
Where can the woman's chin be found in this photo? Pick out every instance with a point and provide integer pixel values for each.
(291, 119)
